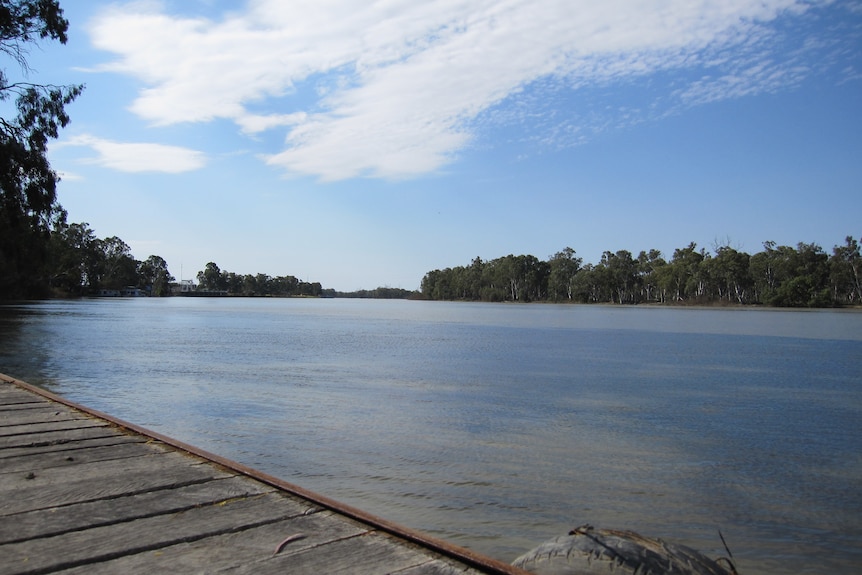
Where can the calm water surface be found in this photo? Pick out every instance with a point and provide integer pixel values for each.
(497, 426)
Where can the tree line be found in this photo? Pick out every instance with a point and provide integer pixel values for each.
(213, 279)
(78, 263)
(784, 276)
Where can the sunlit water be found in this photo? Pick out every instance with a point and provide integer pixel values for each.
(497, 426)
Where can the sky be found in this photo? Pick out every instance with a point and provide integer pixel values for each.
(363, 144)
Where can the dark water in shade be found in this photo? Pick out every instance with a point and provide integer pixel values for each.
(497, 426)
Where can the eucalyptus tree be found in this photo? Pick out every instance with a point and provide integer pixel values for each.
(648, 266)
(153, 275)
(474, 278)
(28, 185)
(526, 277)
(622, 276)
(730, 274)
(683, 277)
(593, 284)
(845, 272)
(119, 269)
(790, 277)
(211, 278)
(74, 256)
(564, 265)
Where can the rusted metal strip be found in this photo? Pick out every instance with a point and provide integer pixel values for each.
(466, 556)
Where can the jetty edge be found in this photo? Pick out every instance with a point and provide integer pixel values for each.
(82, 491)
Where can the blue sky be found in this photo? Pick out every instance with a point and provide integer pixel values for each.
(362, 144)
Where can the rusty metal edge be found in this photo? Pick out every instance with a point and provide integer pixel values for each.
(466, 556)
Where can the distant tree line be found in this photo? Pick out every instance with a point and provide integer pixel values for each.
(213, 279)
(378, 293)
(804, 276)
(78, 263)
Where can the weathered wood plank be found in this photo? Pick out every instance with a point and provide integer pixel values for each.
(13, 394)
(101, 543)
(77, 517)
(246, 547)
(439, 567)
(39, 414)
(157, 458)
(369, 553)
(142, 474)
(36, 403)
(43, 426)
(70, 446)
(56, 437)
(53, 459)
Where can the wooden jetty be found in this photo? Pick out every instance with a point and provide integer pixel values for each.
(82, 492)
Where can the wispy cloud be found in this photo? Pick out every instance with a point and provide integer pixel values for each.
(392, 89)
(138, 157)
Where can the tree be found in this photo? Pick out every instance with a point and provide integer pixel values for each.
(211, 278)
(622, 275)
(649, 266)
(790, 277)
(74, 254)
(845, 272)
(561, 281)
(154, 276)
(119, 269)
(729, 271)
(28, 185)
(682, 277)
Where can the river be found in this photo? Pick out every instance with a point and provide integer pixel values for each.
(497, 426)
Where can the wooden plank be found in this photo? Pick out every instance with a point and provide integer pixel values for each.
(80, 516)
(13, 399)
(39, 413)
(40, 427)
(148, 474)
(32, 404)
(102, 543)
(439, 567)
(70, 446)
(69, 459)
(245, 547)
(370, 553)
(56, 437)
(157, 458)
(10, 394)
(252, 550)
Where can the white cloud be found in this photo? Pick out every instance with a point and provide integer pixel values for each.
(252, 123)
(139, 157)
(389, 89)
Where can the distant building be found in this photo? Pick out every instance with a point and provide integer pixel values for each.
(133, 291)
(185, 286)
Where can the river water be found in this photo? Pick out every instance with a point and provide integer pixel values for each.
(497, 426)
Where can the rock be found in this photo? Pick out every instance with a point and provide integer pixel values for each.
(587, 551)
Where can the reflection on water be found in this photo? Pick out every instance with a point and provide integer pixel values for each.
(497, 426)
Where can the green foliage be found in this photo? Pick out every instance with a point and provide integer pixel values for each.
(845, 272)
(510, 278)
(79, 263)
(28, 185)
(153, 272)
(378, 293)
(788, 277)
(779, 276)
(564, 267)
(214, 279)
